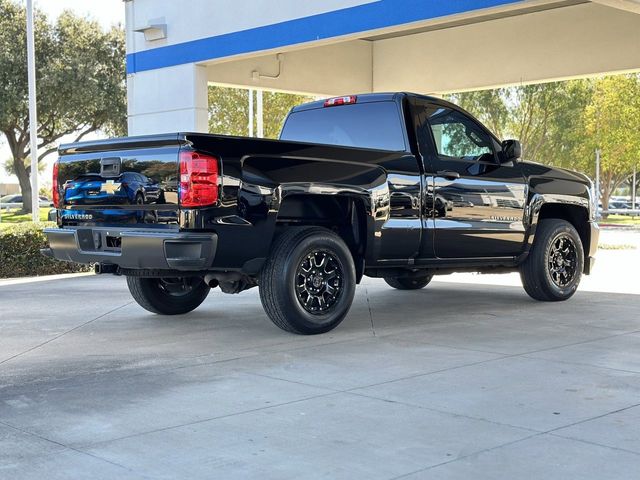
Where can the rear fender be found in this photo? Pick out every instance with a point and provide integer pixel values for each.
(276, 179)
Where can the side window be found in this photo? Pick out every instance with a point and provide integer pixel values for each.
(458, 136)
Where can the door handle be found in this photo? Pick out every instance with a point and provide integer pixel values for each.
(448, 174)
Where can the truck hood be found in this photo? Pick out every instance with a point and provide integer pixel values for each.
(534, 169)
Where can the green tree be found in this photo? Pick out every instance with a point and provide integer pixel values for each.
(10, 168)
(80, 83)
(488, 106)
(533, 111)
(229, 110)
(561, 144)
(563, 123)
(544, 117)
(612, 123)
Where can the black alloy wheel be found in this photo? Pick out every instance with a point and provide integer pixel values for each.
(319, 282)
(308, 282)
(562, 260)
(168, 296)
(553, 269)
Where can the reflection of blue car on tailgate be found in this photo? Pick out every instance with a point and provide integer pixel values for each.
(130, 188)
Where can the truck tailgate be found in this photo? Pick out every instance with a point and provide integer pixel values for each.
(130, 181)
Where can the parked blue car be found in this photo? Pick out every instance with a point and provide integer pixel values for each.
(130, 188)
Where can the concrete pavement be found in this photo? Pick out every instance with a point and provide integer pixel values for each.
(464, 379)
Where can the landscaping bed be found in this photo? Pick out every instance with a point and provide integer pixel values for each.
(20, 256)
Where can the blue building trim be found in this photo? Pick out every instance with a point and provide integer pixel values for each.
(361, 18)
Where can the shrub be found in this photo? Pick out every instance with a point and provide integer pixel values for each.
(20, 255)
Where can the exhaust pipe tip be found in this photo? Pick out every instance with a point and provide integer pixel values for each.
(211, 281)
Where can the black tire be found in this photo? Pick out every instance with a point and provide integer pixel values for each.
(553, 268)
(168, 296)
(294, 279)
(408, 283)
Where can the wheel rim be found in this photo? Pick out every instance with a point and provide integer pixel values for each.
(562, 261)
(319, 282)
(177, 287)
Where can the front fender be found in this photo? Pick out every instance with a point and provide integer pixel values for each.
(538, 200)
(560, 189)
(571, 201)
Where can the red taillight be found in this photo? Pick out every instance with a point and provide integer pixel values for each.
(198, 179)
(332, 102)
(55, 193)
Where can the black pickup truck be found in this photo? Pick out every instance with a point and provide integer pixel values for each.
(399, 186)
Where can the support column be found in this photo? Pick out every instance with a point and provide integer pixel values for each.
(633, 188)
(260, 114)
(172, 99)
(250, 112)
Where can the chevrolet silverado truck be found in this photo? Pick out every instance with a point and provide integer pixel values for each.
(398, 186)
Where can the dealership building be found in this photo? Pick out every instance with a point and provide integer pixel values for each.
(336, 47)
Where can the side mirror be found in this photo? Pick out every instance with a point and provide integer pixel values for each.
(511, 151)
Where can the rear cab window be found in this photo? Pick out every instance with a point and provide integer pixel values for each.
(374, 125)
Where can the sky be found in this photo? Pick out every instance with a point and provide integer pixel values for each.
(107, 13)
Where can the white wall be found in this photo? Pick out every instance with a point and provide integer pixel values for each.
(325, 70)
(194, 19)
(574, 41)
(175, 98)
(166, 100)
(581, 40)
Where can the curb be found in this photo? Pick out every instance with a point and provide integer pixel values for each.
(615, 226)
(43, 278)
